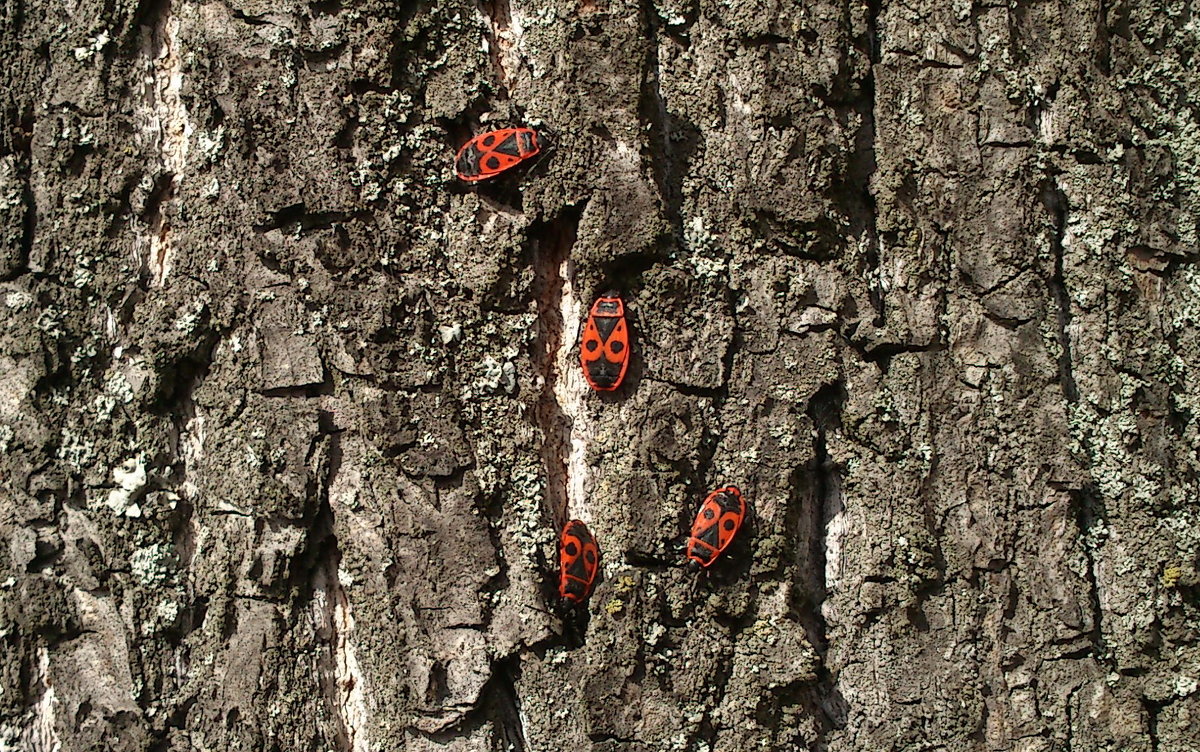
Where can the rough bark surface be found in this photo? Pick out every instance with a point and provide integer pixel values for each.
(289, 416)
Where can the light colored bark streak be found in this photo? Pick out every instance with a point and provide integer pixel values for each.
(571, 391)
(352, 703)
(167, 130)
(506, 30)
(331, 609)
(835, 533)
(42, 735)
(191, 447)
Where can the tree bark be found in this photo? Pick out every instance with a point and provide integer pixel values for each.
(290, 417)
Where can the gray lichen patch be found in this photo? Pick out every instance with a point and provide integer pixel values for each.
(153, 564)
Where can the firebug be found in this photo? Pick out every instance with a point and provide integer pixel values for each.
(604, 351)
(716, 524)
(579, 561)
(490, 154)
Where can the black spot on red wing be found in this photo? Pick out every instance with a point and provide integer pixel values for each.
(488, 140)
(709, 513)
(571, 549)
(591, 345)
(617, 346)
(492, 163)
(730, 524)
(605, 325)
(590, 557)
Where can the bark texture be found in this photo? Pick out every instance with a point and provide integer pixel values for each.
(289, 416)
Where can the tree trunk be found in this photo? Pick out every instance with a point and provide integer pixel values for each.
(290, 416)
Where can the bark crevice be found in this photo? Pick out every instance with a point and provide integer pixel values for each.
(1091, 519)
(555, 412)
(18, 142)
(500, 43)
(1152, 709)
(1055, 202)
(166, 129)
(297, 219)
(505, 674)
(662, 133)
(860, 205)
(825, 408)
(341, 677)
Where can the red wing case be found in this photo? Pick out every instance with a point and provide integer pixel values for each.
(490, 154)
(604, 351)
(716, 524)
(579, 560)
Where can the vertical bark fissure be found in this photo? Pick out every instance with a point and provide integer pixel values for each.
(1152, 710)
(344, 681)
(19, 143)
(1103, 42)
(1090, 519)
(508, 703)
(1055, 202)
(864, 164)
(1089, 509)
(29, 221)
(1090, 516)
(824, 409)
(351, 699)
(825, 412)
(653, 113)
(43, 732)
(500, 40)
(17, 115)
(559, 410)
(166, 129)
(189, 452)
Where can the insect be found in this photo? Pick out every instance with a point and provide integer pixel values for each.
(605, 349)
(579, 560)
(490, 154)
(717, 523)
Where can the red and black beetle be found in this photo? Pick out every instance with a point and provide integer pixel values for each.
(490, 154)
(720, 517)
(579, 561)
(604, 352)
